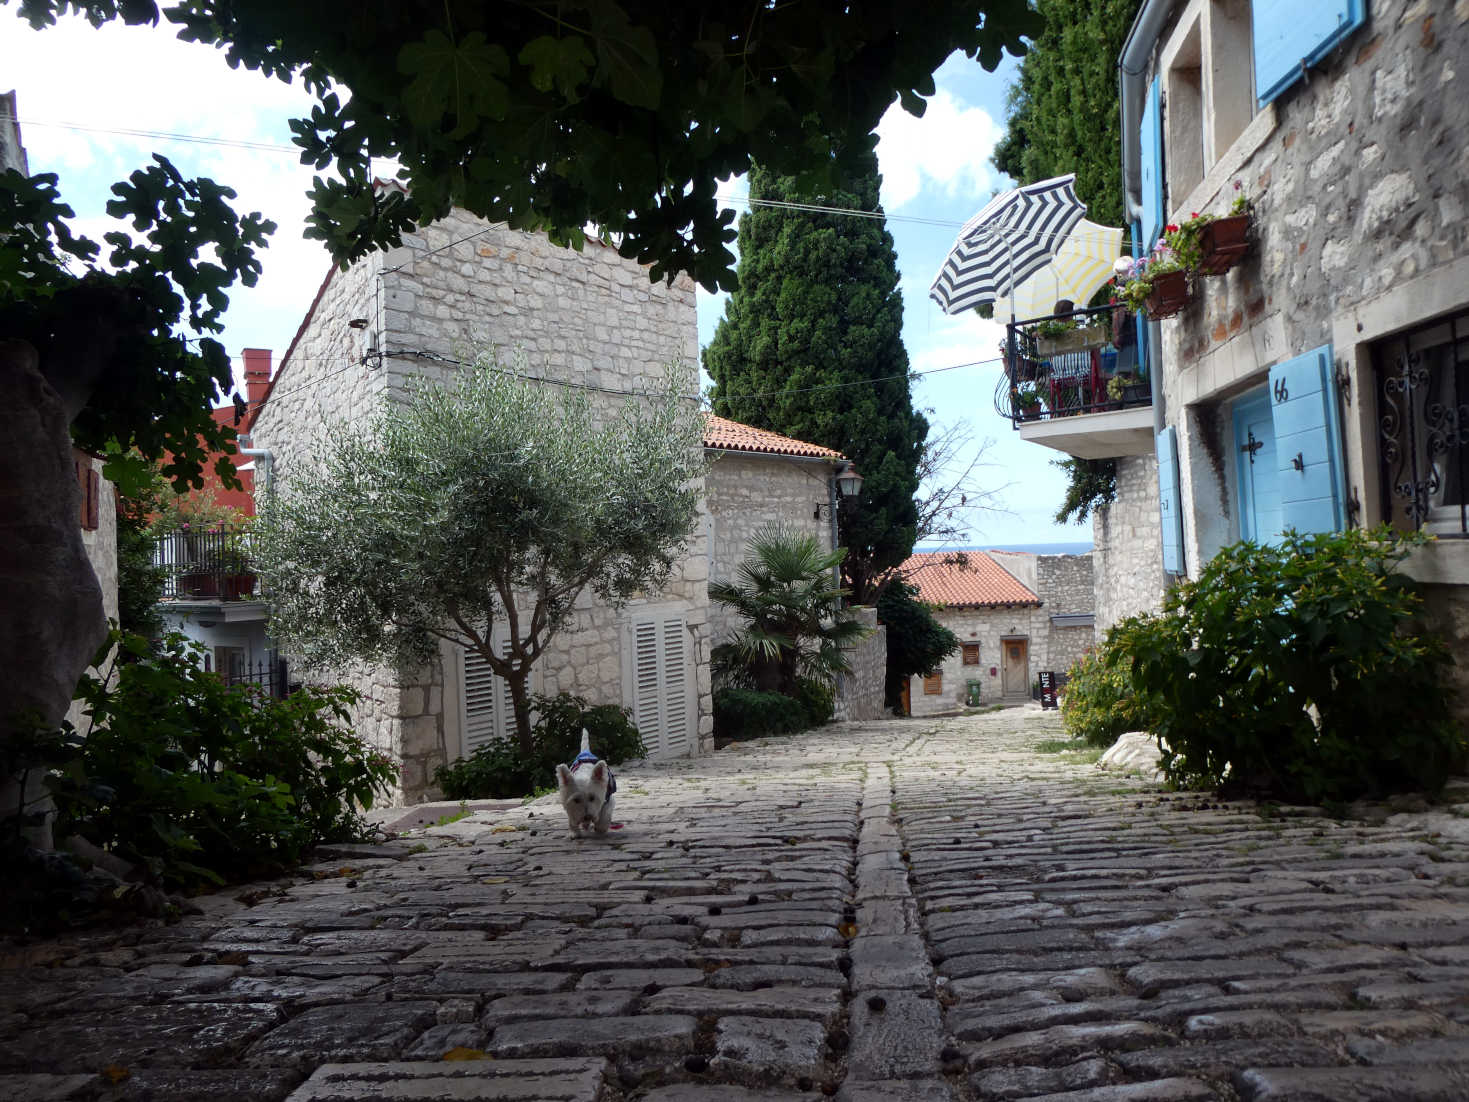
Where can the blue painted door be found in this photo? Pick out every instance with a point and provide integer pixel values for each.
(1260, 515)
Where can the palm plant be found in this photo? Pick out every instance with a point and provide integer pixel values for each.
(795, 626)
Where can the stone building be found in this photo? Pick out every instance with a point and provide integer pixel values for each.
(586, 318)
(1307, 388)
(1015, 615)
(759, 479)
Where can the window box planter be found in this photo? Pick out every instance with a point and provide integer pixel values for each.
(1223, 243)
(1170, 294)
(1077, 340)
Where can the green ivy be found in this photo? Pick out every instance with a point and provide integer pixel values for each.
(1297, 671)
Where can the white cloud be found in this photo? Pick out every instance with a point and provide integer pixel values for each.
(948, 150)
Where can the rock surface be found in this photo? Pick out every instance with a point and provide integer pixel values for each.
(904, 911)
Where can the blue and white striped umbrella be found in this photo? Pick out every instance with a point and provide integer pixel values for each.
(1015, 236)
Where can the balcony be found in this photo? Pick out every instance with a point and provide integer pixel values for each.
(1072, 382)
(207, 566)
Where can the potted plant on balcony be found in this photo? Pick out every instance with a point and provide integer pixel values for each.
(1127, 390)
(236, 578)
(1026, 401)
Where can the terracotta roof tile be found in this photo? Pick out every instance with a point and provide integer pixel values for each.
(726, 435)
(977, 581)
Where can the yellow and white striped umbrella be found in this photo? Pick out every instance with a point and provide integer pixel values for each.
(1082, 263)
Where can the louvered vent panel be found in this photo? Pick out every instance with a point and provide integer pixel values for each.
(480, 687)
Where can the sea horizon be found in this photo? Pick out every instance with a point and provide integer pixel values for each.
(1076, 547)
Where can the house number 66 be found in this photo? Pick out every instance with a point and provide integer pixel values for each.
(1281, 394)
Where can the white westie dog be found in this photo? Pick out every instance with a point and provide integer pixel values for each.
(586, 788)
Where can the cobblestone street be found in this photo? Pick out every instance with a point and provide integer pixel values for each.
(910, 910)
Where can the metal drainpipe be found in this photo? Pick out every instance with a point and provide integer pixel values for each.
(831, 495)
(266, 463)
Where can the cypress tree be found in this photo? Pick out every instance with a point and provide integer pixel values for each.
(811, 346)
(1062, 113)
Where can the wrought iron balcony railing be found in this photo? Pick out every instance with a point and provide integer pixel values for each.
(210, 564)
(1068, 364)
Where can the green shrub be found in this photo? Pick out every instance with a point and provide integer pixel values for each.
(202, 782)
(748, 713)
(817, 700)
(498, 770)
(1099, 703)
(1296, 672)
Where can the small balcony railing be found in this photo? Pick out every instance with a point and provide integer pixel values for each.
(213, 564)
(1064, 365)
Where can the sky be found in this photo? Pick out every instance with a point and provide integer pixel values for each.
(94, 104)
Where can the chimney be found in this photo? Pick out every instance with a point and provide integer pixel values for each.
(257, 375)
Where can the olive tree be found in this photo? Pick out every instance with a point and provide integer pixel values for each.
(490, 501)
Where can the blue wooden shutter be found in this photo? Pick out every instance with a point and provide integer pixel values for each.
(1290, 34)
(1150, 144)
(1308, 443)
(1169, 504)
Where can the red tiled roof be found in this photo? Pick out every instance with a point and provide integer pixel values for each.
(964, 579)
(725, 435)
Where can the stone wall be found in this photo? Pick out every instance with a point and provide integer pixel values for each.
(453, 290)
(100, 545)
(746, 492)
(1066, 586)
(1128, 547)
(859, 694)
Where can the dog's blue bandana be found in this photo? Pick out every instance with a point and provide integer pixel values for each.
(586, 757)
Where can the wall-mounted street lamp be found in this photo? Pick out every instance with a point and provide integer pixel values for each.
(848, 484)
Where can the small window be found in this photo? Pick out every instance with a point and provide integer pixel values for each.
(933, 684)
(91, 488)
(971, 654)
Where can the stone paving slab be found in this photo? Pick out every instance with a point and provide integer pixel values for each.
(903, 911)
(572, 1080)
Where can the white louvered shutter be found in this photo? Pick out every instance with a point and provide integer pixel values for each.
(647, 709)
(675, 687)
(489, 711)
(661, 684)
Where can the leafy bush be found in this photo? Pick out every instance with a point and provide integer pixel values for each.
(1296, 671)
(817, 700)
(202, 782)
(748, 713)
(1099, 703)
(500, 770)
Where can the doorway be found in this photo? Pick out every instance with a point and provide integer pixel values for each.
(1260, 516)
(1015, 668)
